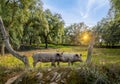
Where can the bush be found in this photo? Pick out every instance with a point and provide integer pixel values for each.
(84, 74)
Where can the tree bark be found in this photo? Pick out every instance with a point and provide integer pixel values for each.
(46, 42)
(3, 48)
(23, 58)
(90, 48)
(30, 42)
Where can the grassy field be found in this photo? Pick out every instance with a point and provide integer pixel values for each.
(101, 57)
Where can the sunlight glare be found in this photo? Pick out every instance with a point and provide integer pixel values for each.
(85, 37)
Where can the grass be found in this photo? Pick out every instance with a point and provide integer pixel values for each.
(100, 55)
(110, 58)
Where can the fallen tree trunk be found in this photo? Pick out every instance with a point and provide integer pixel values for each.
(5, 36)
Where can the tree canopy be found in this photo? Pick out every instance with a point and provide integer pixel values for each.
(109, 27)
(27, 23)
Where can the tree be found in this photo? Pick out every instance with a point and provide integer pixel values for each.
(42, 27)
(8, 46)
(14, 13)
(73, 33)
(2, 44)
(32, 28)
(90, 47)
(53, 26)
(116, 7)
(108, 31)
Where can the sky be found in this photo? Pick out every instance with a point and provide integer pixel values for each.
(76, 11)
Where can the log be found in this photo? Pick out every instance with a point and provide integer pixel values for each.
(16, 79)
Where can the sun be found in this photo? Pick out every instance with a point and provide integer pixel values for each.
(85, 37)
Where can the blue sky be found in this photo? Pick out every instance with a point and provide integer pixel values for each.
(76, 11)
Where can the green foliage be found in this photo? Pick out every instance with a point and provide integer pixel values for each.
(15, 14)
(109, 28)
(95, 74)
(43, 27)
(73, 33)
(108, 32)
(55, 27)
(27, 23)
(116, 6)
(33, 26)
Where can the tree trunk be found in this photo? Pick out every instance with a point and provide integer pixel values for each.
(23, 58)
(90, 49)
(30, 41)
(3, 49)
(46, 42)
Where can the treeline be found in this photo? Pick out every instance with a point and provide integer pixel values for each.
(27, 23)
(109, 27)
(107, 30)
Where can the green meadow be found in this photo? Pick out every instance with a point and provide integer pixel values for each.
(100, 56)
(104, 68)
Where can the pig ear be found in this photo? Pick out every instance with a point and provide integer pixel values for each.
(76, 55)
(62, 52)
(80, 54)
(57, 54)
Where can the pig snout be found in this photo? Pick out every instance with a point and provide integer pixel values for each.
(78, 57)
